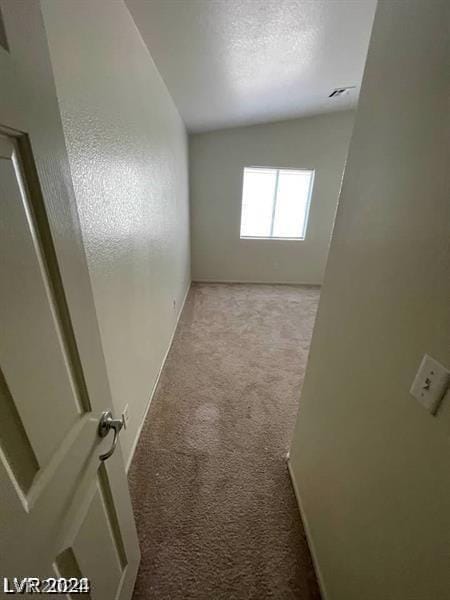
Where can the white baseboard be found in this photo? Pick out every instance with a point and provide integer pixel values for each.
(308, 533)
(256, 282)
(138, 435)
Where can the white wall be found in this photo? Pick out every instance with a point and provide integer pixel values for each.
(217, 161)
(372, 467)
(127, 148)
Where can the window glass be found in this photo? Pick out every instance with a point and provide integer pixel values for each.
(275, 202)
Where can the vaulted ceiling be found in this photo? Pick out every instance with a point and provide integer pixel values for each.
(237, 62)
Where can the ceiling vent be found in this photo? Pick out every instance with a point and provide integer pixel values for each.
(342, 91)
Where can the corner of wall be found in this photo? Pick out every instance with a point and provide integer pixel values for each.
(309, 536)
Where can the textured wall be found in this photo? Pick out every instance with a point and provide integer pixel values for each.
(128, 155)
(372, 466)
(217, 161)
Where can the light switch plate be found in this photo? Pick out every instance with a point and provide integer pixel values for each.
(430, 383)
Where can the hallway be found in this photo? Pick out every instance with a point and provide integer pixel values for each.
(214, 506)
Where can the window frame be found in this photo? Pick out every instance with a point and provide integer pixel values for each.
(299, 238)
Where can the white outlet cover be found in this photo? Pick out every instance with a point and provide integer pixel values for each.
(430, 383)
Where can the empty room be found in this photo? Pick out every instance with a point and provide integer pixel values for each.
(225, 299)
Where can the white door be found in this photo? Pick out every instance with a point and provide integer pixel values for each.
(63, 511)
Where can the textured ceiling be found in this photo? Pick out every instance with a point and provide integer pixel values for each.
(236, 62)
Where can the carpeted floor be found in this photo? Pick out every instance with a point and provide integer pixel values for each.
(215, 510)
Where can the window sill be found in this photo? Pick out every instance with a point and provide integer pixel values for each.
(276, 239)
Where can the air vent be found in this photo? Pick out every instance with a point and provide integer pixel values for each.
(342, 91)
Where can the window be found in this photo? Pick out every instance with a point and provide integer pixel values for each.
(275, 203)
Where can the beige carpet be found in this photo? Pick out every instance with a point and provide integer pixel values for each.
(215, 510)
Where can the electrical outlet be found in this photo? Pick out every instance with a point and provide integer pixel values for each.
(126, 416)
(430, 384)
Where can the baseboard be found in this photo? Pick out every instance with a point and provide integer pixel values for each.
(256, 282)
(138, 435)
(308, 533)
